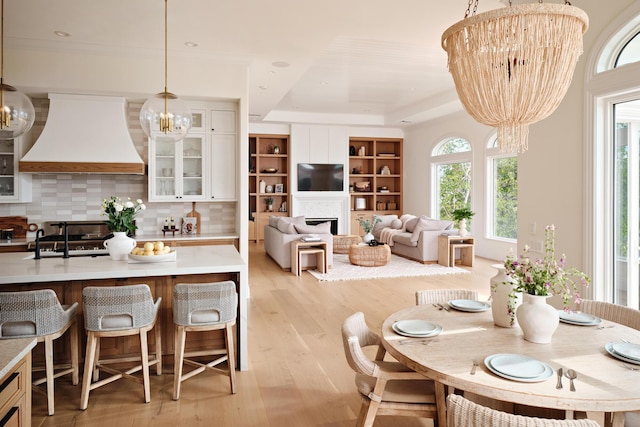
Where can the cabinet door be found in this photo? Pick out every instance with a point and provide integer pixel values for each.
(192, 178)
(223, 167)
(14, 186)
(163, 169)
(223, 121)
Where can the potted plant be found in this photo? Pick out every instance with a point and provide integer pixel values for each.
(269, 201)
(538, 280)
(461, 216)
(367, 226)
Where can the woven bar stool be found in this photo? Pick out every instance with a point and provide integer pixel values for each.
(204, 307)
(117, 311)
(39, 314)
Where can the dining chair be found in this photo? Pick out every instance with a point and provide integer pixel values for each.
(118, 311)
(620, 314)
(204, 307)
(462, 412)
(442, 296)
(39, 314)
(385, 387)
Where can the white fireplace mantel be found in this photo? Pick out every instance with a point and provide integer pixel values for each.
(323, 205)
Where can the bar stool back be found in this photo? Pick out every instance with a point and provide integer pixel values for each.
(39, 314)
(115, 311)
(204, 307)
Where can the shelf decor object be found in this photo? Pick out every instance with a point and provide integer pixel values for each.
(165, 112)
(16, 110)
(512, 66)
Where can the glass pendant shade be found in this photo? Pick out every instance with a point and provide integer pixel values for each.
(164, 114)
(16, 114)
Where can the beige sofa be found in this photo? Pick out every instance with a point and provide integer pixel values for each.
(411, 236)
(281, 231)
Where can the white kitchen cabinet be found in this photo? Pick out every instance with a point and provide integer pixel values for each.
(15, 187)
(177, 169)
(223, 167)
(223, 121)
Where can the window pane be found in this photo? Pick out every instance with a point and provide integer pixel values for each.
(630, 53)
(505, 193)
(453, 145)
(454, 185)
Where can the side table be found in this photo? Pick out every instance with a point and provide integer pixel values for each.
(447, 245)
(300, 247)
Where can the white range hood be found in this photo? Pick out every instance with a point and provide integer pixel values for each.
(84, 134)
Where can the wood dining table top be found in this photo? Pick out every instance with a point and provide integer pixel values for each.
(603, 384)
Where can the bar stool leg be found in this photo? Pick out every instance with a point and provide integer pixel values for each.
(231, 358)
(144, 350)
(89, 363)
(48, 360)
(158, 336)
(180, 338)
(73, 342)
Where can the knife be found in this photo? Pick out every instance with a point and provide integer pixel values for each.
(559, 385)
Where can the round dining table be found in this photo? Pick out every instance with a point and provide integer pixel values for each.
(605, 387)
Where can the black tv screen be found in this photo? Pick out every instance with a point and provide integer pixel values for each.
(320, 177)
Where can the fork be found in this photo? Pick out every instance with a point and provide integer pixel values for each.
(438, 306)
(473, 368)
(629, 367)
(443, 307)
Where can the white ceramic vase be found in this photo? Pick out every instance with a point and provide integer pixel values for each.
(504, 299)
(119, 245)
(462, 227)
(537, 319)
(368, 237)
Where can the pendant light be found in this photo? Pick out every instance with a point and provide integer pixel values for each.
(164, 114)
(16, 110)
(512, 66)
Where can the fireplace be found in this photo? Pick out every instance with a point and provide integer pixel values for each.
(316, 221)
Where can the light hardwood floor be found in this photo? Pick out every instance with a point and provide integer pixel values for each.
(297, 376)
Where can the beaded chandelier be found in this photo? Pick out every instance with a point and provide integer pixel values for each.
(512, 66)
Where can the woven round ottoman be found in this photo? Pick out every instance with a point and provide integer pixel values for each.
(341, 243)
(369, 256)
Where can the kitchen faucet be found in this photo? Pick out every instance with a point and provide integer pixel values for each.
(39, 233)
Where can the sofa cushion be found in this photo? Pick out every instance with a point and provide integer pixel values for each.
(385, 221)
(396, 224)
(428, 224)
(273, 221)
(286, 227)
(404, 238)
(322, 228)
(410, 224)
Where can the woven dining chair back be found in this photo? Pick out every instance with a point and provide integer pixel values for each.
(204, 307)
(385, 387)
(462, 412)
(442, 296)
(118, 311)
(38, 313)
(616, 313)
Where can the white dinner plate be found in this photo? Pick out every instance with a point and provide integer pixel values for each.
(575, 318)
(611, 351)
(535, 366)
(416, 326)
(433, 332)
(171, 256)
(516, 365)
(469, 305)
(628, 350)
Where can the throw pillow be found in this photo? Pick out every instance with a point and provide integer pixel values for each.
(396, 224)
(273, 221)
(410, 224)
(428, 224)
(322, 228)
(385, 221)
(286, 226)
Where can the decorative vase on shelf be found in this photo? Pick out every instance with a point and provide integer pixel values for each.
(537, 319)
(119, 245)
(504, 299)
(462, 227)
(263, 186)
(368, 237)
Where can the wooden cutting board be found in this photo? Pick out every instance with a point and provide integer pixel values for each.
(18, 223)
(195, 214)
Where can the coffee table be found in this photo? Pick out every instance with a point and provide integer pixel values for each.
(369, 256)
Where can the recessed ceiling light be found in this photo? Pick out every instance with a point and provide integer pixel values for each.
(324, 82)
(262, 87)
(191, 44)
(61, 33)
(280, 64)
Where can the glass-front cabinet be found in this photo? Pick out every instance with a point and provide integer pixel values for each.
(14, 186)
(176, 168)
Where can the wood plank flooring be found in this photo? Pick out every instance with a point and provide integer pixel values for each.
(297, 376)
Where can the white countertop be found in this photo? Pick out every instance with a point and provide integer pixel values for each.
(17, 268)
(12, 351)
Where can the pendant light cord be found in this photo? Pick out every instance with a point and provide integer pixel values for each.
(166, 26)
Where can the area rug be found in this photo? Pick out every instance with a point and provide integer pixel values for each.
(342, 269)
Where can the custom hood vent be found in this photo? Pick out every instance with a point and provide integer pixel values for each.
(84, 134)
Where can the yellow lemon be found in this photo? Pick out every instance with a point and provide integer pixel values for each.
(158, 246)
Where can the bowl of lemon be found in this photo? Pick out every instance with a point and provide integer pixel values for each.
(153, 252)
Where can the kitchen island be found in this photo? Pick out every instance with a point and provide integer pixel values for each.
(194, 264)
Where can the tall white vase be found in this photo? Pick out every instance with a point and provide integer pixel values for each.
(119, 245)
(537, 319)
(504, 299)
(462, 227)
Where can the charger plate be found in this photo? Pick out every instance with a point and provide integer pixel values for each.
(578, 318)
(416, 328)
(518, 367)
(469, 305)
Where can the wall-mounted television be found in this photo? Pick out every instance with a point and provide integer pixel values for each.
(320, 176)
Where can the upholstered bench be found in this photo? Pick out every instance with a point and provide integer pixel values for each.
(341, 243)
(369, 256)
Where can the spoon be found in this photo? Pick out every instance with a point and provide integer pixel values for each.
(571, 374)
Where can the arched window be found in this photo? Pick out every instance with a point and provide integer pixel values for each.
(451, 169)
(502, 192)
(630, 53)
